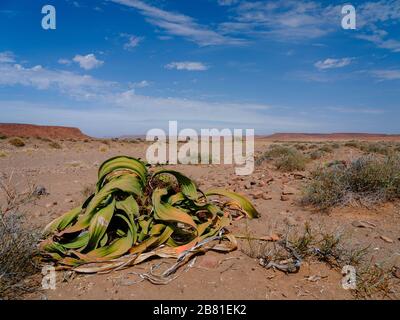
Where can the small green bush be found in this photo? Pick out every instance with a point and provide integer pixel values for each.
(292, 161)
(369, 180)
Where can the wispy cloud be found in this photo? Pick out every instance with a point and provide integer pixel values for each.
(7, 57)
(357, 110)
(64, 61)
(116, 103)
(187, 65)
(179, 25)
(227, 2)
(371, 16)
(283, 20)
(391, 74)
(132, 41)
(140, 84)
(88, 61)
(331, 63)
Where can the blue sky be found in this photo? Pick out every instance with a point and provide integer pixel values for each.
(121, 67)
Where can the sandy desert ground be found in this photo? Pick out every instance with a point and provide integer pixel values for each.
(67, 170)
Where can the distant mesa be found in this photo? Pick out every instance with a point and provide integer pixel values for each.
(331, 136)
(51, 132)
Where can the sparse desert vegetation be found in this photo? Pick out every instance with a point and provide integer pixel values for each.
(294, 185)
(367, 180)
(17, 142)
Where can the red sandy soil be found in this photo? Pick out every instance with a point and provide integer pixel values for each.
(30, 130)
(68, 172)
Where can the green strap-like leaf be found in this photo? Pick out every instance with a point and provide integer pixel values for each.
(166, 212)
(238, 199)
(188, 186)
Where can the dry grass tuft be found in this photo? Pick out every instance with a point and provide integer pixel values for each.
(55, 145)
(18, 249)
(17, 142)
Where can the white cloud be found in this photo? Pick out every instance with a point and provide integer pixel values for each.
(357, 110)
(393, 74)
(333, 63)
(179, 25)
(283, 20)
(140, 84)
(64, 61)
(187, 65)
(133, 41)
(7, 57)
(370, 18)
(72, 84)
(122, 110)
(88, 62)
(227, 2)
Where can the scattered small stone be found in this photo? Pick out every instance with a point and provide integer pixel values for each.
(68, 200)
(386, 239)
(299, 176)
(266, 197)
(396, 272)
(257, 195)
(284, 198)
(288, 190)
(40, 191)
(313, 278)
(363, 224)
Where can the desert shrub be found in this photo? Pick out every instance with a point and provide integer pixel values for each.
(352, 144)
(18, 247)
(293, 161)
(376, 147)
(44, 139)
(368, 180)
(335, 145)
(316, 154)
(55, 145)
(17, 142)
(285, 158)
(3, 154)
(2, 137)
(326, 148)
(301, 146)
